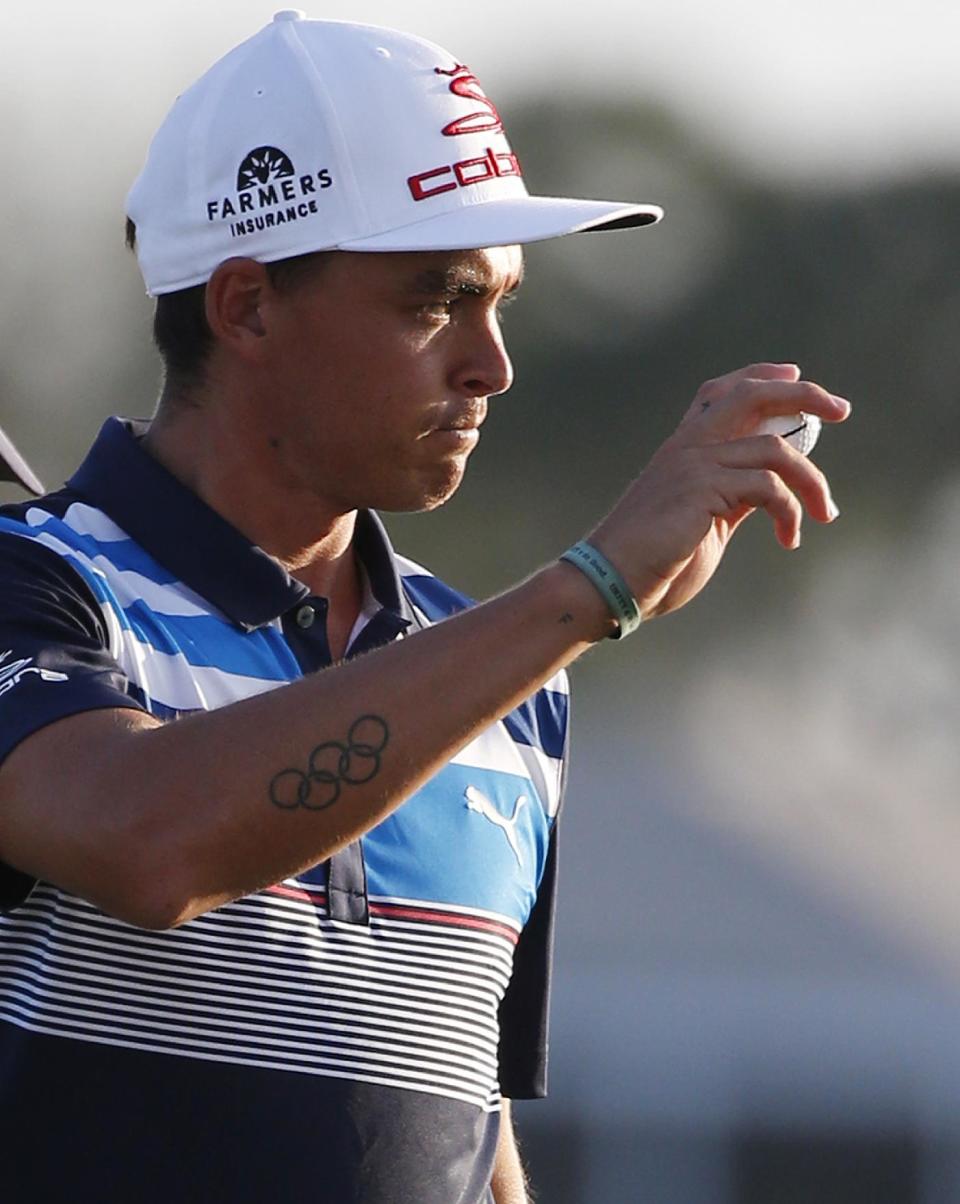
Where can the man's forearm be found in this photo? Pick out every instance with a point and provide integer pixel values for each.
(159, 823)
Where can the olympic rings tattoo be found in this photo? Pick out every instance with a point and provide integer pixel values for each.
(331, 765)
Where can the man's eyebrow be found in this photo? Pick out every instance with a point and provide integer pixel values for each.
(457, 282)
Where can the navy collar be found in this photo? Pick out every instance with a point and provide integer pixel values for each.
(199, 546)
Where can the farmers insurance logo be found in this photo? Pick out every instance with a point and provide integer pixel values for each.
(269, 193)
(485, 120)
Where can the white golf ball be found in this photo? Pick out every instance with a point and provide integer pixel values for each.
(800, 430)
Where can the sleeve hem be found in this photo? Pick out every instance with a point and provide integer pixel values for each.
(107, 700)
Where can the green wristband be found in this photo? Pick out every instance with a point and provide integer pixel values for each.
(616, 593)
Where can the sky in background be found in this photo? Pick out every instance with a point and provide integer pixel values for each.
(820, 91)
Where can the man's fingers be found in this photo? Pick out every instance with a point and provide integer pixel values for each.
(721, 385)
(731, 411)
(715, 390)
(801, 475)
(761, 489)
(750, 401)
(669, 531)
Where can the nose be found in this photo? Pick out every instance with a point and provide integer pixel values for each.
(484, 369)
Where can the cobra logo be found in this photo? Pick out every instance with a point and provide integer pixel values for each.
(12, 674)
(490, 165)
(486, 121)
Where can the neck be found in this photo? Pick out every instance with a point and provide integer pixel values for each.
(236, 475)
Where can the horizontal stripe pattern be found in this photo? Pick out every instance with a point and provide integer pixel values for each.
(411, 1001)
(270, 981)
(415, 909)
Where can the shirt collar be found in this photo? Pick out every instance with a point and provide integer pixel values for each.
(198, 545)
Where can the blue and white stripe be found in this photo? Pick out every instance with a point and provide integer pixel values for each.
(271, 980)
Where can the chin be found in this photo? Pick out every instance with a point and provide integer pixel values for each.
(425, 495)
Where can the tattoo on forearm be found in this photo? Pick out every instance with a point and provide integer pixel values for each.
(332, 765)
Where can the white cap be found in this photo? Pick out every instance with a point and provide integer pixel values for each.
(323, 135)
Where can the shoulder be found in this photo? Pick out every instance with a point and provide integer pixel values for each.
(46, 584)
(36, 539)
(52, 542)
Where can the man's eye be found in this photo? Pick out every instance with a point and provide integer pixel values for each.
(437, 311)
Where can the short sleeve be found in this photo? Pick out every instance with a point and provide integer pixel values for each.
(54, 656)
(525, 1008)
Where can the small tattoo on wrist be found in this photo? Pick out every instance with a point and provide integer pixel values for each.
(332, 765)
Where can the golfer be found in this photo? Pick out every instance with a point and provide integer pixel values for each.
(277, 806)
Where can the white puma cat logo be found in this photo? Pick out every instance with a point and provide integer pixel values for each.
(479, 802)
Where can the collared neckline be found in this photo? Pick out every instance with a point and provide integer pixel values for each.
(198, 545)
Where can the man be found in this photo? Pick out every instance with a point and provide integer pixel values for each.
(273, 931)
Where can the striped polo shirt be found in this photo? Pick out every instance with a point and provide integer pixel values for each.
(346, 1033)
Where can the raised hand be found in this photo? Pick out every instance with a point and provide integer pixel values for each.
(668, 532)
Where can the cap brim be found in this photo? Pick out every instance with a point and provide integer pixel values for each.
(14, 468)
(503, 223)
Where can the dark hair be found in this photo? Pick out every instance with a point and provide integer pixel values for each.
(180, 329)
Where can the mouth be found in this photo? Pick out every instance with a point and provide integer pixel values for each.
(463, 422)
(455, 438)
(454, 429)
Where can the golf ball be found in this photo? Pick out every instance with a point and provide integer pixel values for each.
(800, 430)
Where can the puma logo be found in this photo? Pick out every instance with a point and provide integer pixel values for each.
(476, 801)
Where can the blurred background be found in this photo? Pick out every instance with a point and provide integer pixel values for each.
(757, 989)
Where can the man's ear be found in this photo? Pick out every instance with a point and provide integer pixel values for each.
(232, 305)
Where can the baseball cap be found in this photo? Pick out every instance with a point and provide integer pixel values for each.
(330, 135)
(13, 467)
